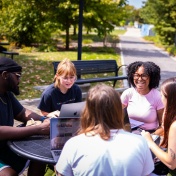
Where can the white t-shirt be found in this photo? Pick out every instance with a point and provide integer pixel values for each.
(143, 107)
(125, 154)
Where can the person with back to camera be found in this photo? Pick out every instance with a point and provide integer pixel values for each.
(168, 93)
(143, 100)
(102, 146)
(62, 91)
(10, 163)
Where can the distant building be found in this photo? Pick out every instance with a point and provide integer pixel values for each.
(147, 30)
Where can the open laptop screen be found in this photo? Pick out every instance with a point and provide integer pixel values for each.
(61, 130)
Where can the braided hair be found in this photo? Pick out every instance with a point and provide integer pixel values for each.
(151, 69)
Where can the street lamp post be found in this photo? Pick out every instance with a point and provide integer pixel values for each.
(81, 6)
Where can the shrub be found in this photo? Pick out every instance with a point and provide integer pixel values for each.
(87, 41)
(171, 50)
(28, 49)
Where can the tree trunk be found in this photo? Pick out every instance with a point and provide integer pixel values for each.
(74, 30)
(105, 40)
(67, 39)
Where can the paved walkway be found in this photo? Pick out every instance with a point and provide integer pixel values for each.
(134, 48)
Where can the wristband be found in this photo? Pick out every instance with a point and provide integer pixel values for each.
(42, 118)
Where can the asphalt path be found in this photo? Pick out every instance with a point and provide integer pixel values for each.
(135, 48)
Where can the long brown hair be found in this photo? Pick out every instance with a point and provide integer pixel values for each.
(102, 112)
(168, 89)
(64, 68)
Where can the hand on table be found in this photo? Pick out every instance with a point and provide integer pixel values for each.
(45, 127)
(53, 114)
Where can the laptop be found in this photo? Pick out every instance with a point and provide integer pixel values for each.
(61, 130)
(132, 126)
(72, 109)
(130, 123)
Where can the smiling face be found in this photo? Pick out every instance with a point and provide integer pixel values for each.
(141, 81)
(65, 75)
(66, 82)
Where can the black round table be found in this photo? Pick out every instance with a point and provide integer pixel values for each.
(35, 147)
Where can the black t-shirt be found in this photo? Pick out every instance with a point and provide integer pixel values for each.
(10, 107)
(52, 98)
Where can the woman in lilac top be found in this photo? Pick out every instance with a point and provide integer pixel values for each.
(143, 100)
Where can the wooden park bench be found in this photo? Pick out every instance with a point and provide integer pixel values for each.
(98, 68)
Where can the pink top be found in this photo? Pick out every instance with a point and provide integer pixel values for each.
(143, 107)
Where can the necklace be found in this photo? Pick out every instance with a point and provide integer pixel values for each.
(3, 101)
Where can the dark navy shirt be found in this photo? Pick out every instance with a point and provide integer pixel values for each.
(52, 98)
(10, 107)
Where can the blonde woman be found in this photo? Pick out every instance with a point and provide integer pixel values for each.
(62, 91)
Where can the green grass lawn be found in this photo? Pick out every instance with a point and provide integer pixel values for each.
(38, 69)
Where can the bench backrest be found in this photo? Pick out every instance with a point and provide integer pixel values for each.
(93, 66)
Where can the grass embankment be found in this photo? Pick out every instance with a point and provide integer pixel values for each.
(171, 49)
(38, 68)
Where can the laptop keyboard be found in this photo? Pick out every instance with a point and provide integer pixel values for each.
(57, 153)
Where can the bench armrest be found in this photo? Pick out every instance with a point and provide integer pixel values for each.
(121, 67)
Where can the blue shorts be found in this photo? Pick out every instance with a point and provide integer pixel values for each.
(9, 159)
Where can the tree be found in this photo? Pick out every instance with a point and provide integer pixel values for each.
(133, 14)
(67, 16)
(104, 15)
(162, 14)
(28, 21)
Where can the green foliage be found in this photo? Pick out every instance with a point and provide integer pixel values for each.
(171, 50)
(155, 39)
(163, 15)
(106, 50)
(28, 49)
(93, 37)
(131, 23)
(49, 172)
(118, 32)
(86, 49)
(102, 20)
(87, 41)
(34, 21)
(98, 49)
(47, 48)
(133, 14)
(25, 22)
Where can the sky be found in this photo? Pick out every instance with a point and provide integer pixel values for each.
(136, 3)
